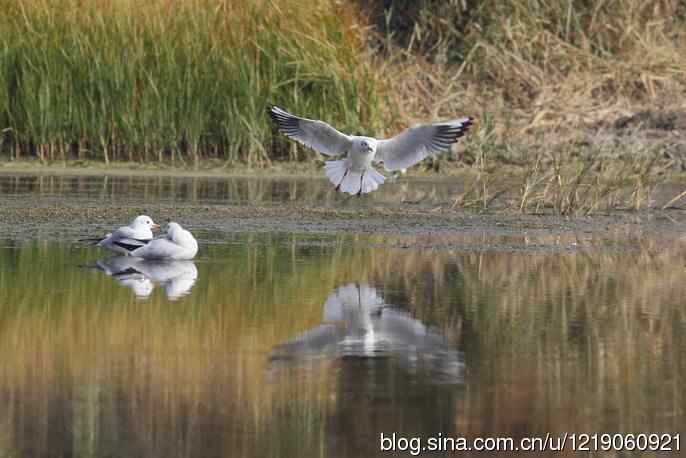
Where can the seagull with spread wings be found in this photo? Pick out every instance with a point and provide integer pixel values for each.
(355, 174)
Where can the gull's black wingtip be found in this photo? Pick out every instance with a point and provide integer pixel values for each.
(127, 246)
(273, 111)
(468, 123)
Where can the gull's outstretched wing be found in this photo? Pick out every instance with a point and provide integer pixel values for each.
(317, 135)
(414, 144)
(314, 343)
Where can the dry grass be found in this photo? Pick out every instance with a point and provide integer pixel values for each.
(562, 187)
(548, 64)
(584, 102)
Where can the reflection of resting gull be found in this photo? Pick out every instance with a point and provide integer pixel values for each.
(177, 277)
(358, 323)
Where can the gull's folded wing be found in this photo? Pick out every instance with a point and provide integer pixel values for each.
(124, 232)
(159, 248)
(414, 144)
(317, 135)
(130, 244)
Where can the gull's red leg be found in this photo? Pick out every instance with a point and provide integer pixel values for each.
(338, 188)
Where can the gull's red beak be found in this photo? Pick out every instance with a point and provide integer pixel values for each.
(155, 226)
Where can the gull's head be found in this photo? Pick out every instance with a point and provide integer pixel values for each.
(366, 144)
(144, 221)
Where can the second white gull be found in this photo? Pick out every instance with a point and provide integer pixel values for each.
(177, 243)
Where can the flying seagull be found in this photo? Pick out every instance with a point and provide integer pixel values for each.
(355, 174)
(127, 238)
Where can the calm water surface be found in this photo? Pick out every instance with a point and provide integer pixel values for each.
(136, 190)
(292, 345)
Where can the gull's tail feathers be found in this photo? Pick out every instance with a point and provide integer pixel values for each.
(93, 240)
(335, 171)
(352, 182)
(371, 180)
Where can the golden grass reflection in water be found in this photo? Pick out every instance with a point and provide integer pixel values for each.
(283, 347)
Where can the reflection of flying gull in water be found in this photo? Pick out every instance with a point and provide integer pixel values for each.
(141, 275)
(358, 323)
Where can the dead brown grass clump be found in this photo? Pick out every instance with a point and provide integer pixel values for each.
(536, 64)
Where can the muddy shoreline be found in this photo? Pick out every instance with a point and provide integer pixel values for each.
(27, 214)
(31, 219)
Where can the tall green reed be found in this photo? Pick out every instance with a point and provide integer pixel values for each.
(177, 80)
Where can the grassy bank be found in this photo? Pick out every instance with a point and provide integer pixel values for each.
(178, 81)
(165, 80)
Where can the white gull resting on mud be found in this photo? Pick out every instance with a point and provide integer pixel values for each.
(355, 174)
(177, 243)
(135, 235)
